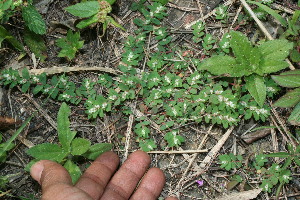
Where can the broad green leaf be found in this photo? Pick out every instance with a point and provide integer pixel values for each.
(84, 9)
(47, 151)
(87, 22)
(25, 73)
(33, 20)
(294, 118)
(244, 52)
(219, 65)
(257, 88)
(271, 12)
(97, 149)
(288, 79)
(36, 44)
(5, 35)
(147, 145)
(25, 87)
(69, 45)
(79, 146)
(37, 89)
(290, 99)
(73, 170)
(65, 135)
(275, 49)
(270, 66)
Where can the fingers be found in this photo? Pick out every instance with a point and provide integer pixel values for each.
(49, 173)
(125, 180)
(151, 185)
(96, 177)
(55, 181)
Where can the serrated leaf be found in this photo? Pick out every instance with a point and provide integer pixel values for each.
(5, 35)
(257, 88)
(275, 49)
(219, 65)
(33, 20)
(270, 66)
(65, 135)
(79, 146)
(47, 151)
(290, 99)
(73, 170)
(294, 118)
(84, 9)
(271, 12)
(288, 79)
(97, 149)
(243, 50)
(69, 45)
(36, 44)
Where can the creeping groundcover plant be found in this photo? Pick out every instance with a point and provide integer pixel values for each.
(172, 87)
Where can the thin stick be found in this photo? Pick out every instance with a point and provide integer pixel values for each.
(58, 70)
(179, 152)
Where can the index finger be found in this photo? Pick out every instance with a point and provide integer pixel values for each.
(96, 177)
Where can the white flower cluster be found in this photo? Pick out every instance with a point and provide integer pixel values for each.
(226, 101)
(258, 110)
(9, 77)
(194, 79)
(66, 96)
(36, 79)
(271, 89)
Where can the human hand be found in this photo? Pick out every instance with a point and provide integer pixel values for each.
(97, 181)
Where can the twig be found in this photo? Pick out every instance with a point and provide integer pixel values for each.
(128, 133)
(214, 151)
(179, 152)
(179, 185)
(57, 70)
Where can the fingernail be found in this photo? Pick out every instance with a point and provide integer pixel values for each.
(36, 171)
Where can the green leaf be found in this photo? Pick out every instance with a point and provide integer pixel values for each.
(257, 88)
(69, 45)
(290, 99)
(87, 22)
(73, 170)
(65, 135)
(244, 52)
(271, 12)
(111, 2)
(219, 65)
(173, 139)
(79, 146)
(97, 149)
(294, 118)
(84, 9)
(147, 145)
(288, 79)
(5, 35)
(275, 49)
(37, 89)
(110, 20)
(36, 44)
(33, 20)
(279, 155)
(25, 87)
(47, 151)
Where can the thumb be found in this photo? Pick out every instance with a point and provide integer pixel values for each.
(49, 173)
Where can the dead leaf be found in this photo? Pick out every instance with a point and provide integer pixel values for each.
(7, 122)
(246, 195)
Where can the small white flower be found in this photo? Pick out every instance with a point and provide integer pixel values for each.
(47, 89)
(66, 96)
(129, 82)
(155, 79)
(36, 79)
(104, 105)
(230, 103)
(243, 103)
(23, 81)
(218, 92)
(270, 89)
(167, 79)
(130, 56)
(64, 81)
(225, 45)
(124, 94)
(112, 97)
(174, 111)
(169, 90)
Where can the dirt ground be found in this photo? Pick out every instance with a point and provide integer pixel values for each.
(183, 168)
